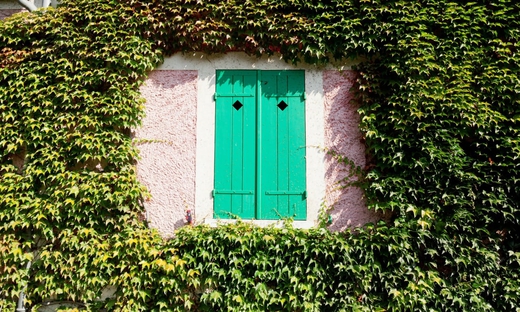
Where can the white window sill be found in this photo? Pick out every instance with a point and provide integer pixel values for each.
(261, 223)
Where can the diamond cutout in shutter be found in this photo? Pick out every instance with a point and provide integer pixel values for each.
(282, 105)
(237, 105)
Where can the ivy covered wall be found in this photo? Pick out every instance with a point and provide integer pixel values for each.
(439, 89)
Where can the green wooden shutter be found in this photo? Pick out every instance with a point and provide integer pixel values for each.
(260, 145)
(282, 145)
(235, 144)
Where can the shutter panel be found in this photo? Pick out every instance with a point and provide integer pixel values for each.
(235, 144)
(282, 191)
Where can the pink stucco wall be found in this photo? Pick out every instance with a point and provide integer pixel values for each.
(167, 144)
(342, 135)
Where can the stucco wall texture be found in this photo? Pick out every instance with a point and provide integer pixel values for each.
(342, 136)
(167, 145)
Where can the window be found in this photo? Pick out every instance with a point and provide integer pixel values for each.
(260, 145)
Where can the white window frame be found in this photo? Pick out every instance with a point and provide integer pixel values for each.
(314, 121)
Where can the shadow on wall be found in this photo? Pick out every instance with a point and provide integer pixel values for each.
(344, 139)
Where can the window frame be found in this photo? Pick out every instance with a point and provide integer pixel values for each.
(205, 65)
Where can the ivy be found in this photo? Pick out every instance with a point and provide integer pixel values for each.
(439, 92)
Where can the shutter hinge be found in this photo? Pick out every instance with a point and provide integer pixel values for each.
(231, 192)
(303, 194)
(215, 96)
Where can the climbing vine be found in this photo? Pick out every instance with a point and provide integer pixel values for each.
(439, 89)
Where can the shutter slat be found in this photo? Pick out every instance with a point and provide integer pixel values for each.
(234, 144)
(283, 146)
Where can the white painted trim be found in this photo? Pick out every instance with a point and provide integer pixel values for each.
(206, 65)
